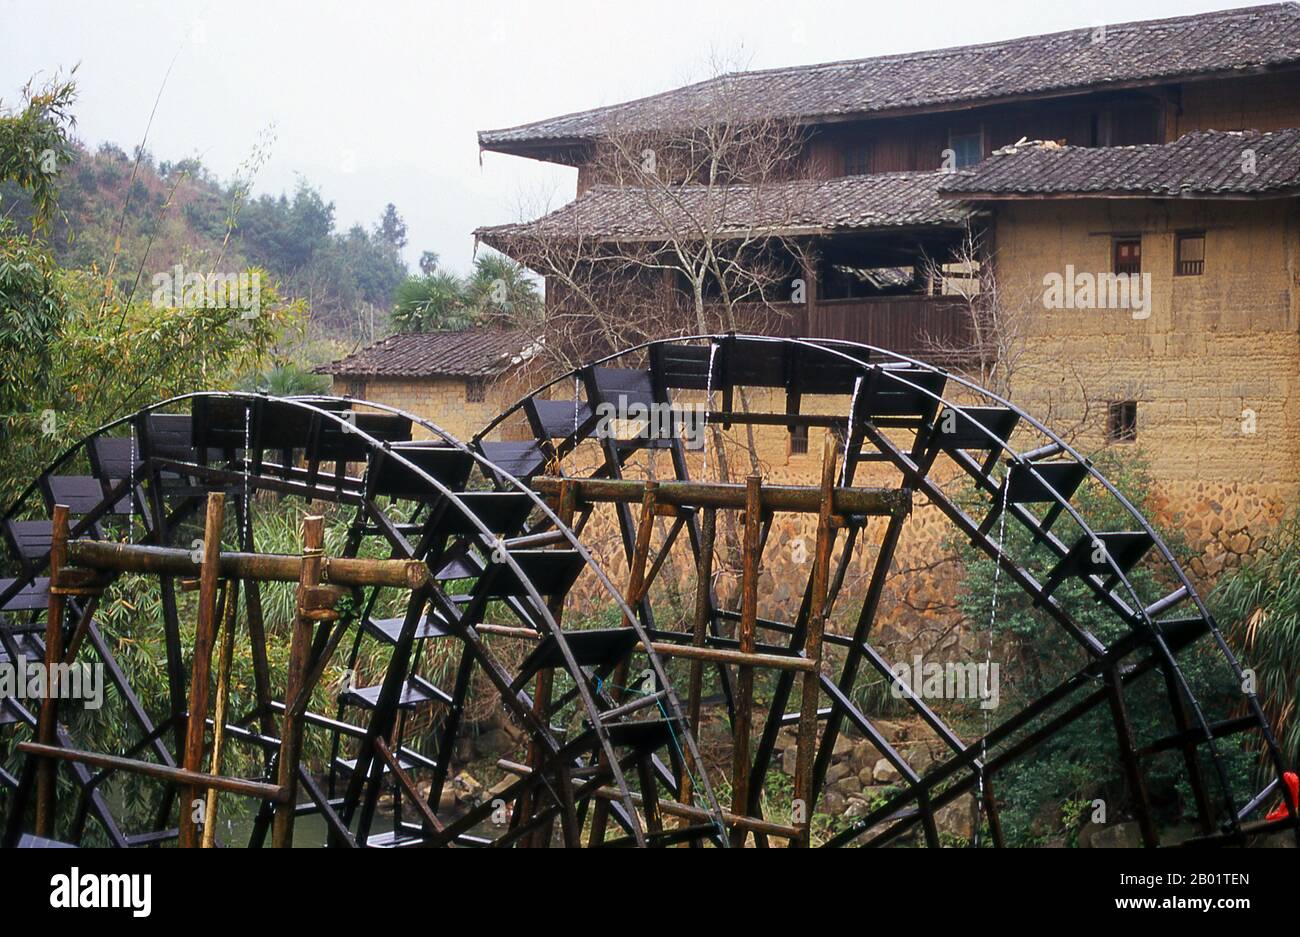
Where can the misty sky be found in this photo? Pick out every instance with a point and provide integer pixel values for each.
(379, 101)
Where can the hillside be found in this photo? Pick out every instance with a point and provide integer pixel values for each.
(179, 213)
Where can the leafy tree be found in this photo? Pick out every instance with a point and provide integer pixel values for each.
(504, 290)
(433, 303)
(1258, 605)
(500, 292)
(35, 144)
(287, 380)
(76, 350)
(392, 229)
(1041, 796)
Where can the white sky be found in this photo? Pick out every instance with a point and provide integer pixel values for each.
(376, 101)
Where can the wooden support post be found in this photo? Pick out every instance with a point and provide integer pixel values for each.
(1128, 756)
(743, 724)
(230, 604)
(47, 725)
(201, 666)
(703, 611)
(811, 689)
(636, 586)
(991, 811)
(541, 837)
(313, 543)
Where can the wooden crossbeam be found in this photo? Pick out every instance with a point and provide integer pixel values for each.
(261, 567)
(151, 769)
(805, 499)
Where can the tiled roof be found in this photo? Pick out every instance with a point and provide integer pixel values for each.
(622, 213)
(1203, 164)
(1130, 53)
(469, 353)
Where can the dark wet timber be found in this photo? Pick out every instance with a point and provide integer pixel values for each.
(483, 548)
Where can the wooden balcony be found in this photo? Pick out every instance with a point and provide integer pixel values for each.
(932, 328)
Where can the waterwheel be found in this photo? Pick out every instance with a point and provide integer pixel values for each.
(520, 535)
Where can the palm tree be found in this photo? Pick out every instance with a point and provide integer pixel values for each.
(500, 287)
(432, 303)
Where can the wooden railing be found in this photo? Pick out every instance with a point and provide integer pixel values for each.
(932, 328)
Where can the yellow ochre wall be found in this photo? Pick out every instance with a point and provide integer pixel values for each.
(1213, 347)
(441, 400)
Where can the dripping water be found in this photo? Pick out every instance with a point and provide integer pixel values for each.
(708, 407)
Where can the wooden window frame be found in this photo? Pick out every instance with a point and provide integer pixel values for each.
(1116, 242)
(1188, 268)
(857, 159)
(1121, 421)
(798, 440)
(475, 390)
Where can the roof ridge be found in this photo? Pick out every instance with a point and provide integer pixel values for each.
(996, 43)
(919, 55)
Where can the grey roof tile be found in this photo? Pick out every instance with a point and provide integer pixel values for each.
(468, 353)
(1147, 51)
(614, 213)
(1204, 164)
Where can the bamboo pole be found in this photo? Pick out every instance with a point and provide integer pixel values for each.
(153, 769)
(636, 585)
(219, 718)
(47, 723)
(743, 723)
(722, 655)
(263, 567)
(703, 612)
(313, 542)
(201, 667)
(811, 690)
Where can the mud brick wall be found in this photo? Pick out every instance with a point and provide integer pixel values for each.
(1214, 369)
(444, 400)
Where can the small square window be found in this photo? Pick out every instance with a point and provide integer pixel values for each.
(799, 440)
(1128, 255)
(1189, 258)
(1121, 421)
(475, 390)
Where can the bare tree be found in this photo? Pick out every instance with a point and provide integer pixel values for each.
(1009, 345)
(688, 227)
(696, 224)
